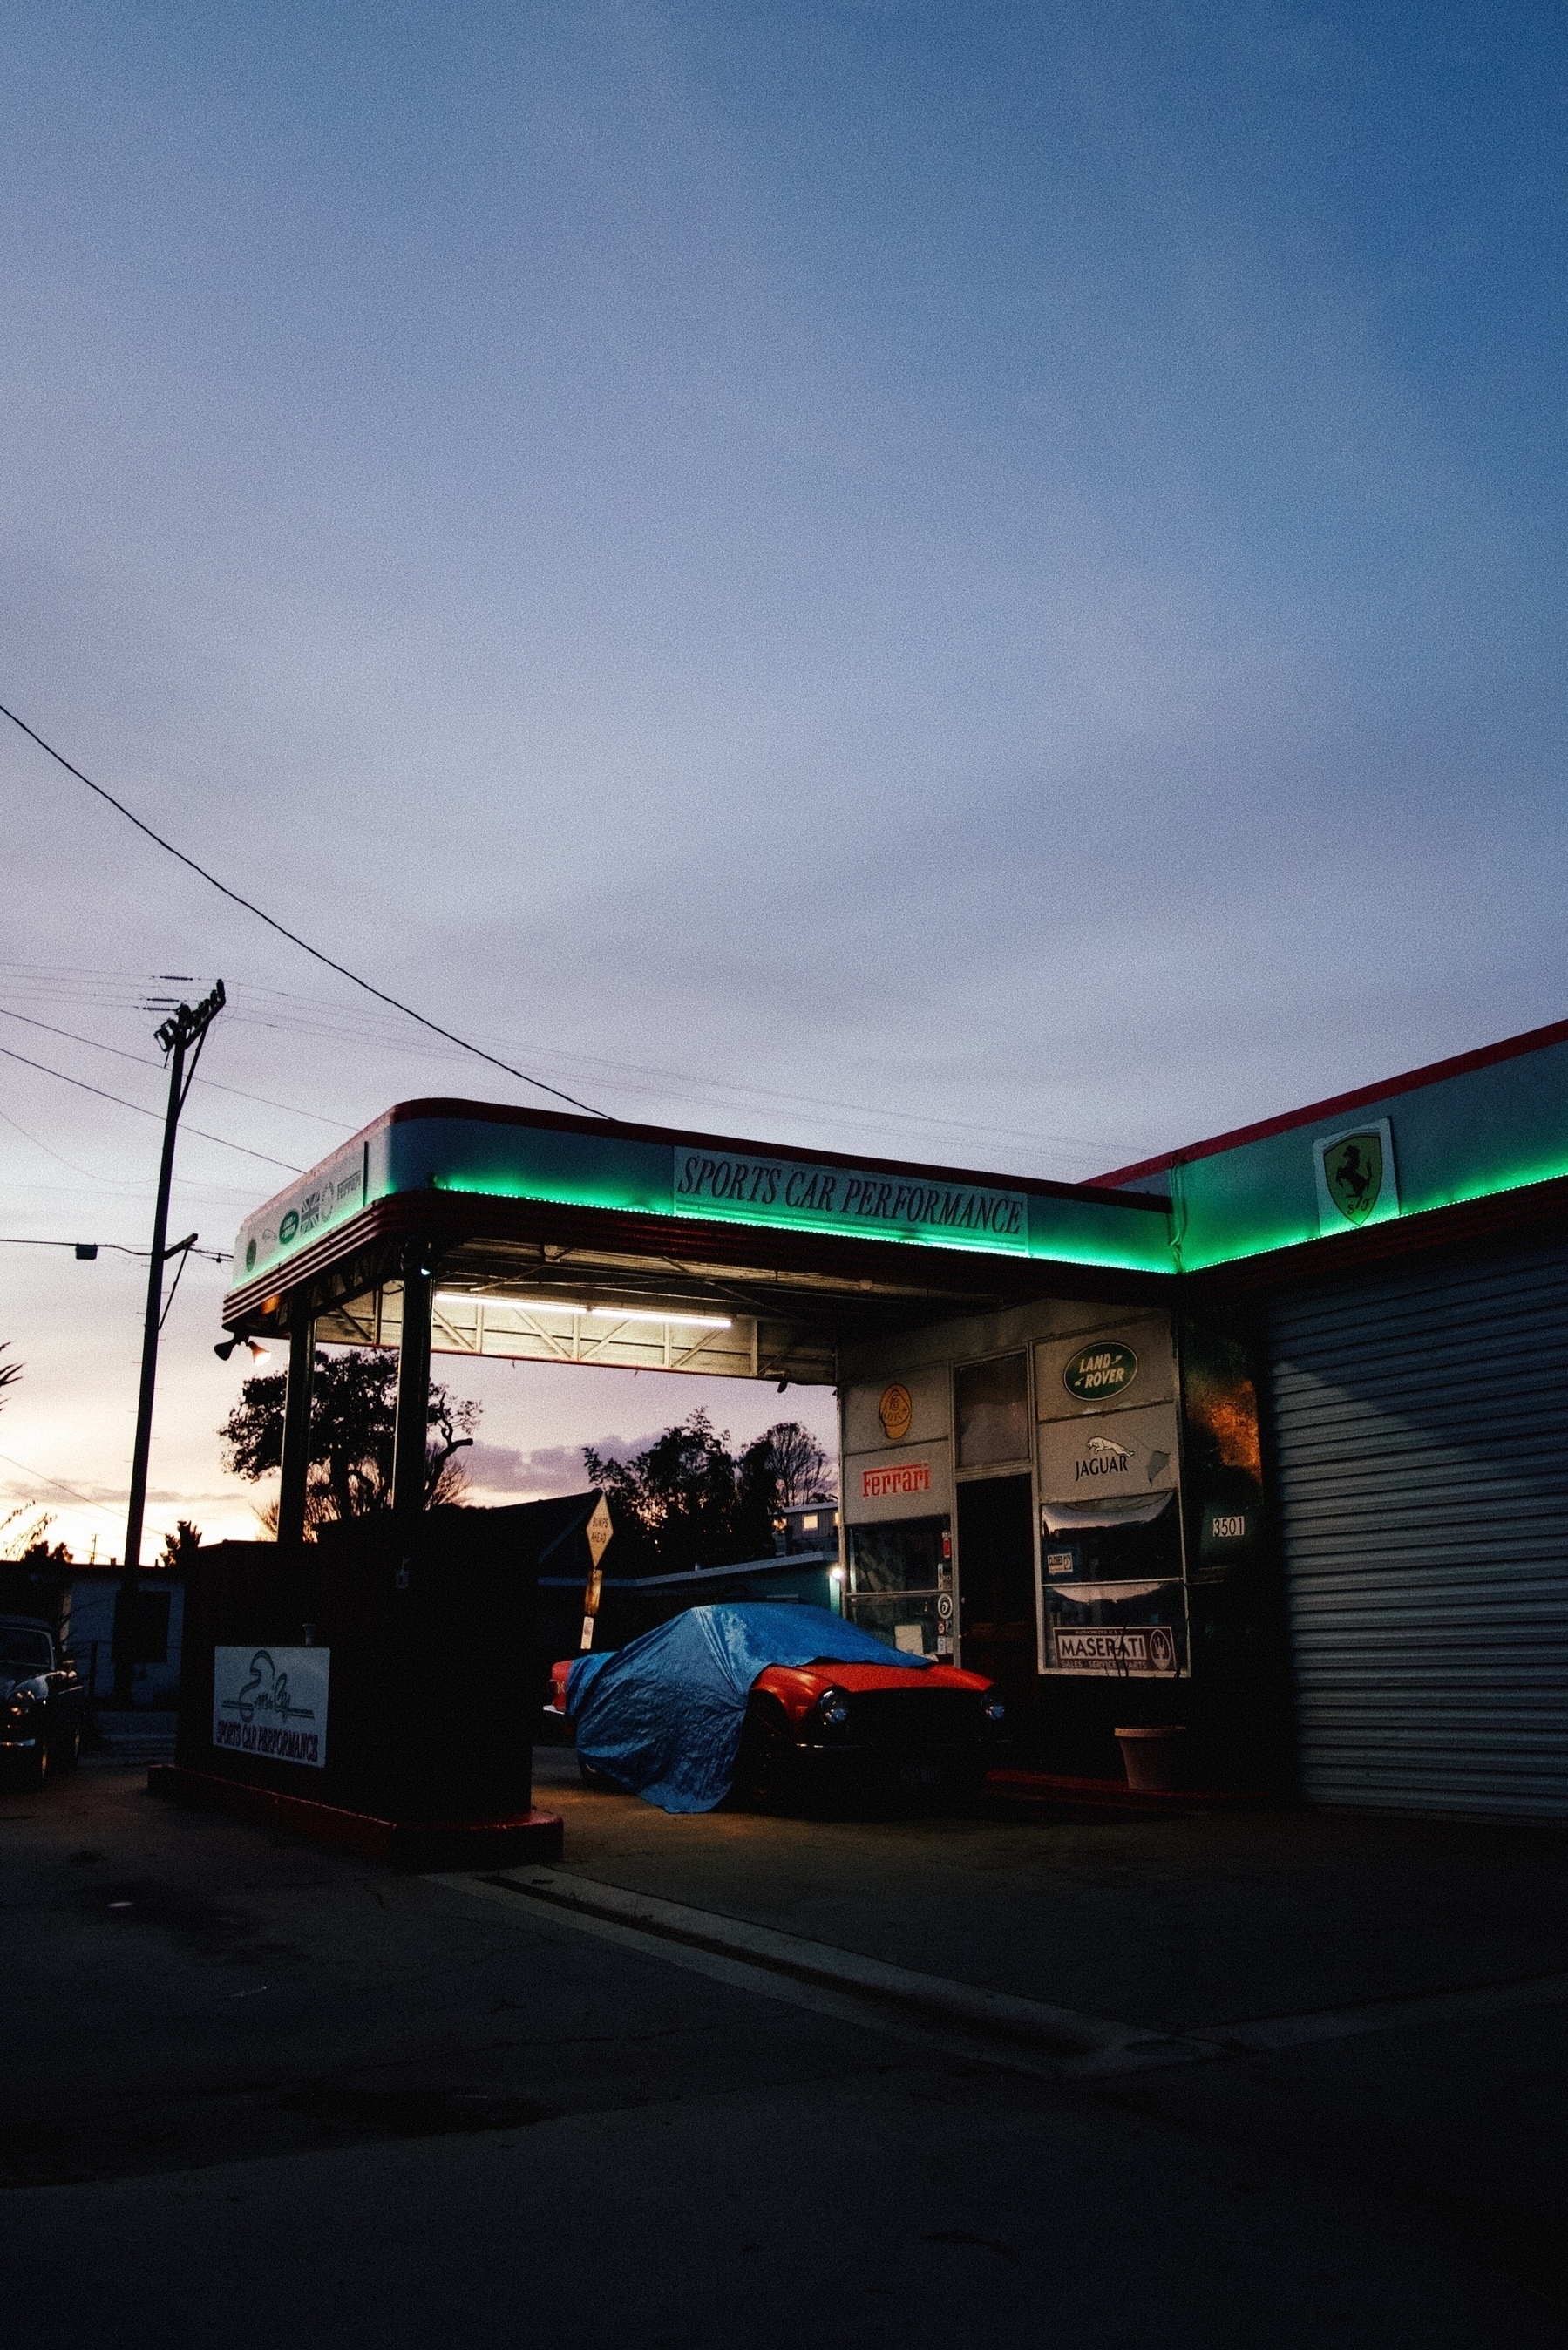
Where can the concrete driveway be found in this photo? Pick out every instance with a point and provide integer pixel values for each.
(251, 2086)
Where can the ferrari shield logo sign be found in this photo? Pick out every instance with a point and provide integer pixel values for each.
(1353, 1171)
(1355, 1177)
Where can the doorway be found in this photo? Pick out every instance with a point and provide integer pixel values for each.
(996, 1585)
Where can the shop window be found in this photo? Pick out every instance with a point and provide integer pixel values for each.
(991, 1403)
(1223, 1449)
(142, 1626)
(898, 1575)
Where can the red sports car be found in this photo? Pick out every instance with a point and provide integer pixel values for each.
(832, 1730)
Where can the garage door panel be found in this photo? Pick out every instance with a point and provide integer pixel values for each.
(1420, 1428)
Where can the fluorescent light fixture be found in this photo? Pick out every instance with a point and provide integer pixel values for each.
(447, 1299)
(524, 1305)
(632, 1314)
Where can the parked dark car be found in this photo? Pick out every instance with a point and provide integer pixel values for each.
(40, 1701)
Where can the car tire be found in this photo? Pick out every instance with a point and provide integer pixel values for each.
(69, 1752)
(35, 1769)
(766, 1775)
(589, 1777)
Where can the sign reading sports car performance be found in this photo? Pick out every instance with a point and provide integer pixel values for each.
(270, 1703)
(850, 1198)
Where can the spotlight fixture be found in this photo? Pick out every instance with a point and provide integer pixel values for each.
(226, 1347)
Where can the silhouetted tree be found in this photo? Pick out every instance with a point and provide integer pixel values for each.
(687, 1500)
(791, 1457)
(179, 1547)
(353, 1412)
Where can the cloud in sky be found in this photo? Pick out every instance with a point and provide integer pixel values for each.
(547, 1469)
(978, 584)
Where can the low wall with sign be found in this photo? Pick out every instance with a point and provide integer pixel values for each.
(366, 1672)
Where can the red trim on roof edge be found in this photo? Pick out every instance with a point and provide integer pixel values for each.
(1534, 1040)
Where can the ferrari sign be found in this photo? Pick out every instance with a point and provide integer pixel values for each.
(1353, 1169)
(911, 1477)
(1354, 1174)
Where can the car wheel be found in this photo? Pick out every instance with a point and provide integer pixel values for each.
(35, 1769)
(69, 1752)
(590, 1777)
(765, 1773)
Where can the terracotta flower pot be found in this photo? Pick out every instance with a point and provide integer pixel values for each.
(1153, 1758)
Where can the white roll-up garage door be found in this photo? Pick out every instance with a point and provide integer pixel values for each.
(1420, 1451)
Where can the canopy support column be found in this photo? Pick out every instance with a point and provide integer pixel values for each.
(296, 1424)
(412, 1422)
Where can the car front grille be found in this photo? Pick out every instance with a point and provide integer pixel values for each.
(914, 1721)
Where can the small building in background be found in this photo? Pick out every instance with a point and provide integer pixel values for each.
(92, 1595)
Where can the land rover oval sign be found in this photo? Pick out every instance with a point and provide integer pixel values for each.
(1097, 1372)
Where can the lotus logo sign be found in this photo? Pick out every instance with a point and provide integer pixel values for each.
(896, 1411)
(1106, 1369)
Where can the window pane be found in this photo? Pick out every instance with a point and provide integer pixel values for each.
(992, 1401)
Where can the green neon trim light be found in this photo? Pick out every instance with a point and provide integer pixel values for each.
(754, 1189)
(1197, 1259)
(1061, 1247)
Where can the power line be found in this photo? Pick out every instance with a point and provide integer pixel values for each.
(102, 1508)
(292, 936)
(141, 1061)
(82, 1086)
(10, 1240)
(59, 1486)
(99, 1182)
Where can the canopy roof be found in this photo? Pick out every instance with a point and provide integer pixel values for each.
(583, 1238)
(586, 1240)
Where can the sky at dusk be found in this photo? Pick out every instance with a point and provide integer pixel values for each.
(981, 584)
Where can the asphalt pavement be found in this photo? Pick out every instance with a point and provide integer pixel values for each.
(251, 2086)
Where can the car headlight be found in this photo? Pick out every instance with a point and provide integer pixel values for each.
(833, 1709)
(994, 1708)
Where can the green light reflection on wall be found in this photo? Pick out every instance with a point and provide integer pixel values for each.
(1292, 1235)
(1067, 1251)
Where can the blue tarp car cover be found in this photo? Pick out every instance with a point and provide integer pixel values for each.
(662, 1716)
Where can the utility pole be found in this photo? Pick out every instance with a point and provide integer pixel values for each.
(182, 1036)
